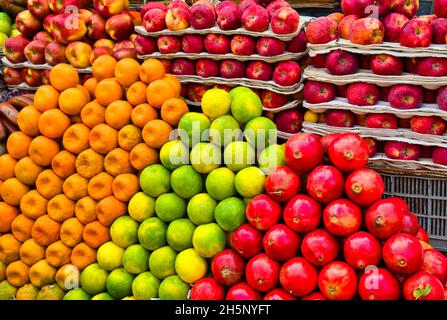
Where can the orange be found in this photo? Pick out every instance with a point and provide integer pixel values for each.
(7, 164)
(85, 91)
(127, 71)
(125, 186)
(45, 230)
(18, 144)
(7, 215)
(82, 255)
(75, 187)
(103, 67)
(60, 208)
(85, 210)
(49, 184)
(58, 254)
(172, 111)
(117, 162)
(107, 91)
(103, 138)
(129, 136)
(118, 113)
(27, 292)
(156, 133)
(28, 119)
(142, 114)
(89, 163)
(63, 164)
(9, 248)
(42, 273)
(93, 114)
(12, 191)
(21, 227)
(27, 171)
(30, 252)
(33, 205)
(75, 138)
(100, 186)
(95, 234)
(151, 70)
(71, 232)
(46, 98)
(174, 82)
(17, 273)
(63, 76)
(53, 123)
(72, 100)
(109, 209)
(91, 84)
(42, 150)
(68, 277)
(136, 94)
(142, 156)
(159, 91)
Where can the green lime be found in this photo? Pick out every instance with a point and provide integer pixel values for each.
(76, 294)
(93, 279)
(260, 132)
(236, 90)
(109, 256)
(124, 231)
(173, 288)
(193, 127)
(201, 209)
(50, 292)
(5, 17)
(5, 28)
(145, 286)
(190, 266)
(27, 292)
(141, 206)
(249, 182)
(129, 298)
(246, 106)
(224, 130)
(179, 234)
(119, 283)
(152, 233)
(155, 180)
(186, 182)
(103, 296)
(135, 259)
(220, 183)
(169, 207)
(174, 154)
(230, 213)
(7, 291)
(239, 155)
(15, 33)
(271, 157)
(216, 103)
(162, 262)
(209, 239)
(205, 157)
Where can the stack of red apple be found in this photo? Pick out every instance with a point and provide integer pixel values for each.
(335, 240)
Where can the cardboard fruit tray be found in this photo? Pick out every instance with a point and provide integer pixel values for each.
(45, 66)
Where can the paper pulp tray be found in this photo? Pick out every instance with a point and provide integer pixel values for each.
(45, 66)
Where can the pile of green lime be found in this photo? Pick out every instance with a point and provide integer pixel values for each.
(7, 29)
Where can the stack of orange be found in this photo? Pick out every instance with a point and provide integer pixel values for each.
(72, 168)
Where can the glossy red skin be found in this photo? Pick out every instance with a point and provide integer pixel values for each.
(361, 249)
(319, 247)
(262, 272)
(242, 291)
(281, 243)
(435, 263)
(317, 296)
(349, 152)
(246, 240)
(228, 267)
(410, 224)
(379, 284)
(327, 140)
(338, 281)
(302, 213)
(263, 212)
(342, 217)
(282, 184)
(422, 235)
(384, 218)
(304, 152)
(425, 279)
(325, 184)
(207, 289)
(364, 186)
(402, 254)
(372, 146)
(298, 277)
(278, 294)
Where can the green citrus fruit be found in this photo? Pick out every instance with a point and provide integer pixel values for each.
(179, 234)
(135, 259)
(152, 233)
(208, 240)
(119, 283)
(230, 213)
(155, 180)
(260, 132)
(224, 130)
(246, 106)
(205, 157)
(124, 231)
(249, 182)
(215, 103)
(173, 288)
(193, 127)
(186, 182)
(174, 154)
(145, 286)
(109, 256)
(141, 206)
(93, 279)
(190, 266)
(201, 209)
(239, 155)
(162, 262)
(220, 183)
(76, 294)
(271, 157)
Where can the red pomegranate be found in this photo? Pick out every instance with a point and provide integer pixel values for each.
(362, 249)
(349, 152)
(338, 281)
(298, 277)
(410, 224)
(423, 286)
(342, 217)
(246, 240)
(242, 291)
(319, 247)
(379, 284)
(384, 218)
(282, 184)
(304, 152)
(314, 296)
(435, 263)
(422, 235)
(263, 212)
(262, 272)
(402, 254)
(328, 139)
(325, 184)
(364, 186)
(207, 289)
(228, 267)
(281, 243)
(278, 294)
(302, 213)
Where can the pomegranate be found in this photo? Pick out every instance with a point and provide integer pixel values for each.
(384, 218)
(327, 140)
(402, 254)
(278, 294)
(298, 277)
(338, 281)
(302, 213)
(282, 184)
(435, 263)
(361, 249)
(410, 224)
(342, 217)
(423, 286)
(246, 240)
(281, 243)
(262, 272)
(242, 291)
(228, 267)
(325, 183)
(422, 235)
(364, 186)
(379, 284)
(207, 289)
(262, 212)
(314, 296)
(349, 152)
(304, 152)
(319, 247)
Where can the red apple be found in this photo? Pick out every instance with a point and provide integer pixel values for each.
(341, 62)
(321, 30)
(273, 100)
(152, 5)
(44, 36)
(125, 53)
(432, 67)
(275, 5)
(298, 43)
(217, 43)
(439, 28)
(13, 49)
(183, 67)
(31, 77)
(154, 20)
(270, 47)
(55, 53)
(47, 22)
(145, 45)
(96, 27)
(440, 8)
(366, 31)
(78, 54)
(27, 24)
(393, 23)
(45, 77)
(289, 121)
(229, 17)
(35, 51)
(192, 43)
(441, 98)
(405, 96)
(385, 64)
(439, 155)
(381, 121)
(232, 69)
(428, 125)
(402, 150)
(177, 18)
(12, 77)
(206, 68)
(195, 91)
(169, 44)
(364, 8)
(411, 65)
(345, 24)
(406, 7)
(416, 33)
(318, 92)
(319, 61)
(120, 26)
(99, 51)
(336, 16)
(124, 44)
(244, 4)
(202, 16)
(243, 45)
(285, 21)
(226, 3)
(178, 4)
(287, 73)
(65, 28)
(104, 43)
(259, 70)
(429, 18)
(38, 8)
(109, 8)
(255, 18)
(340, 118)
(363, 94)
